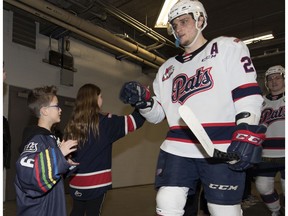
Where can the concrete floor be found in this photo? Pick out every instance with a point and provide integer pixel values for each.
(138, 201)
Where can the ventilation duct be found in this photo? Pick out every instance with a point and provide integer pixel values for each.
(24, 31)
(90, 31)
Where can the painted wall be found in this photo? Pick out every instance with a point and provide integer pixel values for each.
(134, 157)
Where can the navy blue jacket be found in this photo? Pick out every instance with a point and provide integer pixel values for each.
(39, 183)
(93, 176)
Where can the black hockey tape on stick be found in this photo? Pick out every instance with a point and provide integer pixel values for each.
(195, 126)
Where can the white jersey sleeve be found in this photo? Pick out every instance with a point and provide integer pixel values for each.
(154, 115)
(242, 76)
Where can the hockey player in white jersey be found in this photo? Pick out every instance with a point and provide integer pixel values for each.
(217, 80)
(273, 117)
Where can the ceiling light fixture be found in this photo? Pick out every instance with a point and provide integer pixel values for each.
(259, 37)
(163, 16)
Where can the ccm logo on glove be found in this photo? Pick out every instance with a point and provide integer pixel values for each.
(247, 136)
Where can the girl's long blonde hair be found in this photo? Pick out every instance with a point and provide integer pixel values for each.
(85, 115)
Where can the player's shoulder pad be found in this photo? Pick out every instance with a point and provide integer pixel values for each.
(230, 41)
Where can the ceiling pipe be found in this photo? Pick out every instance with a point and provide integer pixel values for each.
(266, 43)
(160, 40)
(265, 55)
(93, 30)
(77, 31)
(134, 23)
(148, 48)
(121, 18)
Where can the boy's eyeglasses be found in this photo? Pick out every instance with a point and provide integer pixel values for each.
(56, 106)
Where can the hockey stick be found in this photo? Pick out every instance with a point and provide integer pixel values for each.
(195, 126)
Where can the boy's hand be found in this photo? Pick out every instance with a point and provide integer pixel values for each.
(68, 147)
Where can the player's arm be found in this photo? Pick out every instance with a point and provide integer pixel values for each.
(245, 91)
(39, 168)
(248, 136)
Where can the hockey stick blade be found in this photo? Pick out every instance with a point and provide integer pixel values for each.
(195, 126)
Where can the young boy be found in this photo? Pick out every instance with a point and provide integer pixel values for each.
(39, 184)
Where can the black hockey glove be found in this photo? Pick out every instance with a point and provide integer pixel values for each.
(136, 94)
(246, 143)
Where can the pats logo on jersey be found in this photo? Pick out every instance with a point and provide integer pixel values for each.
(184, 87)
(168, 73)
(270, 115)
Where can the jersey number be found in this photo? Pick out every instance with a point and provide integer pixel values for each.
(248, 66)
(27, 162)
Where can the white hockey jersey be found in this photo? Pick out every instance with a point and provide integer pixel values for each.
(217, 81)
(273, 117)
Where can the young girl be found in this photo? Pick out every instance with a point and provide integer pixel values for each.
(95, 133)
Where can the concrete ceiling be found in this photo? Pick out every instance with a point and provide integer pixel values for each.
(133, 21)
